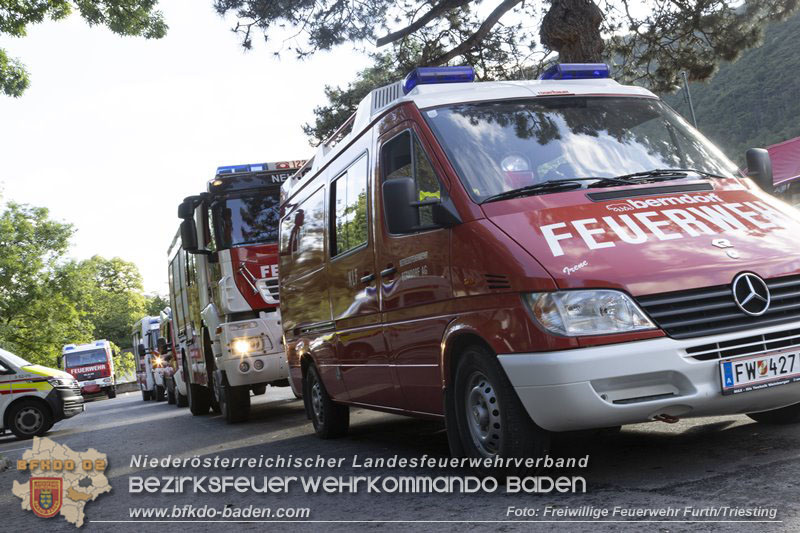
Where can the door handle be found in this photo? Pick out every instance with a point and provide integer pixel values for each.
(388, 271)
(367, 278)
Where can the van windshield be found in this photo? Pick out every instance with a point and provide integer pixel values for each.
(12, 359)
(506, 145)
(88, 357)
(250, 219)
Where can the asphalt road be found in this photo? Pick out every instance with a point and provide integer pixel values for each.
(713, 463)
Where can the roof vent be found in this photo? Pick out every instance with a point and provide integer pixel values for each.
(382, 97)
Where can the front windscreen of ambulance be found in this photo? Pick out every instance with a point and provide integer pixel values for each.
(10, 360)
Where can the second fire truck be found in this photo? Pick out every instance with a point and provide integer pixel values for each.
(224, 289)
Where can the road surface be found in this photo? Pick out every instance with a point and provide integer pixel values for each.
(714, 463)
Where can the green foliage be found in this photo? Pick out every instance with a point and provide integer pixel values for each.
(649, 45)
(752, 102)
(154, 304)
(47, 301)
(124, 362)
(123, 17)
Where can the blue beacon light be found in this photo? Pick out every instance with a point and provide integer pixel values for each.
(434, 75)
(576, 71)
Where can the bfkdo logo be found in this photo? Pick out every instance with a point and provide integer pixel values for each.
(47, 494)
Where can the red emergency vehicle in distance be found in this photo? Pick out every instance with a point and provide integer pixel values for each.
(92, 365)
(224, 289)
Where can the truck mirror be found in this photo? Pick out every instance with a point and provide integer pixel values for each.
(189, 235)
(141, 351)
(186, 208)
(162, 345)
(759, 167)
(59, 360)
(402, 216)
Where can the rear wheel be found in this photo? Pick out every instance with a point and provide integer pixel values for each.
(160, 393)
(199, 399)
(489, 417)
(111, 392)
(29, 419)
(234, 402)
(171, 392)
(785, 415)
(145, 395)
(330, 419)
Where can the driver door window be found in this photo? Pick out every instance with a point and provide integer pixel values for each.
(403, 157)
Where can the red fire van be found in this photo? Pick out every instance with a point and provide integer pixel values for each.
(521, 258)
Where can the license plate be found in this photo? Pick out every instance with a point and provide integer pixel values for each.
(759, 372)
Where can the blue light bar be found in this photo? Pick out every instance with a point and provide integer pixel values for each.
(576, 71)
(432, 75)
(234, 169)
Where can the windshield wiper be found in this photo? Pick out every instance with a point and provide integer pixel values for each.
(539, 188)
(656, 174)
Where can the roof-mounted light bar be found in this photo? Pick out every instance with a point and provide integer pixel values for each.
(576, 71)
(235, 169)
(434, 75)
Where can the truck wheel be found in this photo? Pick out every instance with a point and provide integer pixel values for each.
(234, 402)
(160, 393)
(29, 419)
(180, 399)
(111, 392)
(199, 399)
(785, 415)
(145, 395)
(330, 419)
(489, 418)
(171, 393)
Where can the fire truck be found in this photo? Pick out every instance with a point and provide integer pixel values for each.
(92, 365)
(150, 364)
(224, 289)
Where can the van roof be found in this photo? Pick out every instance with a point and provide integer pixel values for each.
(380, 100)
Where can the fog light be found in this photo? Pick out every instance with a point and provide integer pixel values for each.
(244, 366)
(258, 364)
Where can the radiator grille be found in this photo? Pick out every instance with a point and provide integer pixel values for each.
(746, 346)
(712, 310)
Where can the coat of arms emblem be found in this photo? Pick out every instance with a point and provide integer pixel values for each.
(46, 496)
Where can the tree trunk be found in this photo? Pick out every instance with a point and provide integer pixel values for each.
(572, 28)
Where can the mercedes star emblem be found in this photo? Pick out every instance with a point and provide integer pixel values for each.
(751, 294)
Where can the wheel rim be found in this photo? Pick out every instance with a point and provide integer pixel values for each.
(29, 420)
(483, 415)
(316, 399)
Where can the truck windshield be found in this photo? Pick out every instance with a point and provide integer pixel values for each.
(10, 358)
(506, 145)
(88, 357)
(246, 219)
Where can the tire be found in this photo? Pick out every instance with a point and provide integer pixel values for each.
(145, 395)
(29, 418)
(180, 399)
(489, 417)
(234, 402)
(208, 353)
(171, 393)
(785, 415)
(330, 419)
(111, 392)
(199, 399)
(160, 393)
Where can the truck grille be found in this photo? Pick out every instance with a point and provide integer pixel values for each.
(746, 346)
(712, 310)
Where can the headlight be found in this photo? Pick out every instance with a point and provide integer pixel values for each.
(158, 362)
(247, 345)
(61, 382)
(593, 312)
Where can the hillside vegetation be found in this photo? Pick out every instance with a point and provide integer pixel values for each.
(755, 101)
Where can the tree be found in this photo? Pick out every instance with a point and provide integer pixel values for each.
(648, 42)
(155, 303)
(123, 17)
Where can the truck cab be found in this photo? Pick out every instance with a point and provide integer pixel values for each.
(92, 365)
(224, 288)
(150, 364)
(34, 397)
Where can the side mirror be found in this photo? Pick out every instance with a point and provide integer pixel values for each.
(398, 199)
(141, 351)
(59, 360)
(162, 345)
(189, 235)
(186, 208)
(759, 167)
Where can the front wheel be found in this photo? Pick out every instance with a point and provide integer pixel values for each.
(785, 415)
(145, 395)
(160, 393)
(234, 402)
(29, 419)
(489, 417)
(112, 392)
(330, 419)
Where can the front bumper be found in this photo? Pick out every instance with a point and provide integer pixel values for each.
(271, 358)
(65, 402)
(95, 385)
(634, 382)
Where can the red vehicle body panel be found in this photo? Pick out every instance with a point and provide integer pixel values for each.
(254, 262)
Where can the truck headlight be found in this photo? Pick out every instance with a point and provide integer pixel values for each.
(247, 345)
(587, 312)
(158, 362)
